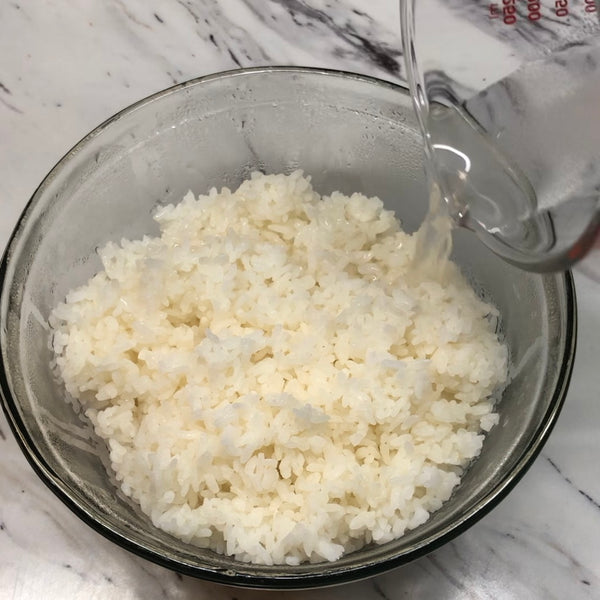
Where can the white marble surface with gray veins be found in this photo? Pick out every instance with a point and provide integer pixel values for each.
(65, 67)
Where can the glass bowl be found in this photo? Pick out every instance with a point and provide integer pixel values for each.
(350, 133)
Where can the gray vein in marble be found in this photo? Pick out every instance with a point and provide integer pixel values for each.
(450, 577)
(593, 502)
(185, 5)
(10, 106)
(22, 12)
(363, 41)
(355, 31)
(379, 591)
(80, 573)
(223, 32)
(130, 15)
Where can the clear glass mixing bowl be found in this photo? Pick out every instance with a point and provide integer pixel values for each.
(348, 132)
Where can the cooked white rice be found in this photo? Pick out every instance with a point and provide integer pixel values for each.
(274, 378)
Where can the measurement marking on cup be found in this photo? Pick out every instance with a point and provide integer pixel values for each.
(534, 10)
(561, 8)
(507, 9)
(494, 11)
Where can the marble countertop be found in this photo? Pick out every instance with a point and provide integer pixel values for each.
(65, 67)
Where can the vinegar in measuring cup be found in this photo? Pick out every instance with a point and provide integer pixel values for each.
(507, 95)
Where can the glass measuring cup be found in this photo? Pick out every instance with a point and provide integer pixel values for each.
(507, 94)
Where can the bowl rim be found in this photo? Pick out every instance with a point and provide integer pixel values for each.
(281, 581)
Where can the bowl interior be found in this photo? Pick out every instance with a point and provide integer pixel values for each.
(350, 134)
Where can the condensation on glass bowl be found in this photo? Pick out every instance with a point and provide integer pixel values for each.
(350, 133)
